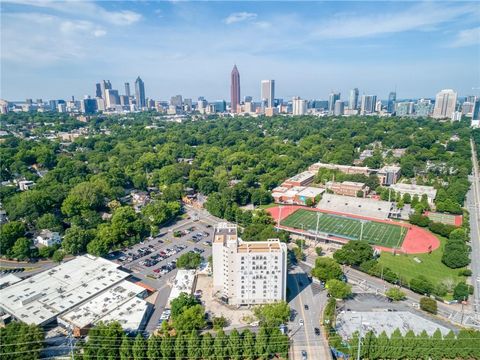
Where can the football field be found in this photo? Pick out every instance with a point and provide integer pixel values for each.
(376, 233)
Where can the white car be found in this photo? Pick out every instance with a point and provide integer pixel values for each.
(301, 322)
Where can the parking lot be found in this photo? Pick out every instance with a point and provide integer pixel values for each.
(153, 262)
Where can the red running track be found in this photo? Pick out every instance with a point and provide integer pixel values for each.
(416, 241)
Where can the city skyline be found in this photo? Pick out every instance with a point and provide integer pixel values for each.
(338, 52)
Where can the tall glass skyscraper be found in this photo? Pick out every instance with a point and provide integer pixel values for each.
(235, 90)
(392, 98)
(140, 93)
(332, 99)
(127, 89)
(353, 100)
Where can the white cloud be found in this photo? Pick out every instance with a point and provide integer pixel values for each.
(467, 37)
(238, 17)
(99, 33)
(83, 8)
(419, 17)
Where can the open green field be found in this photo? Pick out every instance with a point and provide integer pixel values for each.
(376, 233)
(431, 265)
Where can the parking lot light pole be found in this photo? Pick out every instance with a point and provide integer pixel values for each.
(359, 339)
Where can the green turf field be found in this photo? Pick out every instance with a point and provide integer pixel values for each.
(376, 233)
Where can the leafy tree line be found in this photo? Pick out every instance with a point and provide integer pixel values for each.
(464, 345)
(21, 341)
(110, 342)
(235, 162)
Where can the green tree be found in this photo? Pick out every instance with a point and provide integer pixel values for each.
(421, 285)
(207, 346)
(194, 349)
(189, 260)
(272, 315)
(220, 345)
(180, 347)
(167, 347)
(461, 292)
(21, 249)
(261, 344)
(49, 221)
(76, 240)
(9, 234)
(126, 348)
(338, 289)
(21, 341)
(182, 302)
(395, 294)
(234, 345)
(428, 304)
(248, 345)
(139, 348)
(192, 318)
(354, 253)
(326, 269)
(154, 344)
(58, 256)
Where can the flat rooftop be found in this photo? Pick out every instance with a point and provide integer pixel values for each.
(303, 176)
(101, 305)
(8, 280)
(417, 189)
(310, 191)
(377, 209)
(271, 245)
(225, 232)
(39, 299)
(184, 281)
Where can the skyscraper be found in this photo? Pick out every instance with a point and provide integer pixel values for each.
(339, 107)
(445, 103)
(234, 90)
(332, 98)
(268, 92)
(104, 86)
(368, 103)
(98, 90)
(392, 97)
(299, 106)
(127, 89)
(140, 93)
(353, 101)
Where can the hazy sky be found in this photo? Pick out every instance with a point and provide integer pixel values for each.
(58, 49)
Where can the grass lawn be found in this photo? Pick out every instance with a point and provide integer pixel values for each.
(267, 206)
(376, 233)
(431, 265)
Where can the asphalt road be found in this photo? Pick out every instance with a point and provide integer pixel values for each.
(303, 336)
(473, 205)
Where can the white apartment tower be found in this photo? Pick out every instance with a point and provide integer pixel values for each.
(445, 103)
(248, 272)
(299, 106)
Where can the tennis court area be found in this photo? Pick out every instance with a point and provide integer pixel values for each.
(445, 218)
(376, 233)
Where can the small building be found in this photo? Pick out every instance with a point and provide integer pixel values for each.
(366, 154)
(348, 188)
(308, 195)
(48, 238)
(418, 190)
(25, 185)
(389, 174)
(302, 179)
(184, 282)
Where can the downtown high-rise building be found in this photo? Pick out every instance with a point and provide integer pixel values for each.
(127, 89)
(104, 86)
(332, 98)
(299, 106)
(98, 90)
(339, 108)
(268, 93)
(392, 98)
(140, 93)
(353, 100)
(368, 104)
(445, 104)
(235, 90)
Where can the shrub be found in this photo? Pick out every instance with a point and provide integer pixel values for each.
(465, 272)
(429, 305)
(461, 291)
(395, 294)
(421, 285)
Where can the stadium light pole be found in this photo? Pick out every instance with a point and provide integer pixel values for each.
(361, 229)
(316, 230)
(360, 339)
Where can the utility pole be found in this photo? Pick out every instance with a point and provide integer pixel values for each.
(316, 230)
(461, 321)
(361, 229)
(359, 340)
(279, 216)
(70, 343)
